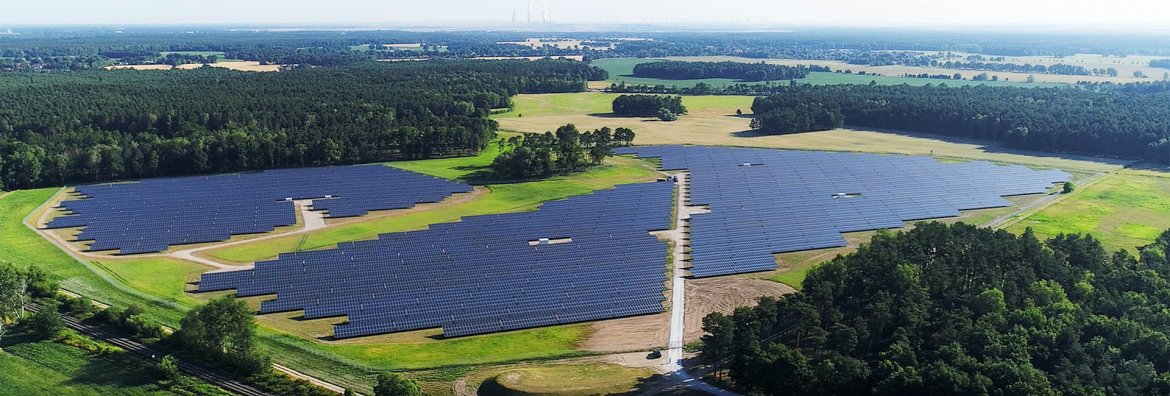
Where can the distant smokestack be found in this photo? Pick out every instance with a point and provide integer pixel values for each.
(530, 11)
(513, 16)
(544, 14)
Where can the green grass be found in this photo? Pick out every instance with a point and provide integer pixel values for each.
(562, 104)
(622, 69)
(22, 246)
(457, 168)
(162, 277)
(1124, 210)
(47, 368)
(540, 343)
(511, 197)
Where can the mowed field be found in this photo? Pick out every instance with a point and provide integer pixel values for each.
(1124, 210)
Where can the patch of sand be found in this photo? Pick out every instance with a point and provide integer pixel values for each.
(723, 294)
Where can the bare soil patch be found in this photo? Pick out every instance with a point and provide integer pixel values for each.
(723, 294)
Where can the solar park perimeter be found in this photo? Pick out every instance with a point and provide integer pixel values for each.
(497, 272)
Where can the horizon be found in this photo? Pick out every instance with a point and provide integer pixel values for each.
(1141, 15)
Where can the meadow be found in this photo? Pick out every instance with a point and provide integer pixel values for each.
(1125, 210)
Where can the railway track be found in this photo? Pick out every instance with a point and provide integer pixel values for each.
(146, 352)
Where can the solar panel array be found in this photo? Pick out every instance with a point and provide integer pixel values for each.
(484, 273)
(766, 201)
(153, 214)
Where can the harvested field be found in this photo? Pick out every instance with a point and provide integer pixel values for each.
(233, 65)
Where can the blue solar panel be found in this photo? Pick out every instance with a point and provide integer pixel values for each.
(484, 273)
(153, 214)
(766, 201)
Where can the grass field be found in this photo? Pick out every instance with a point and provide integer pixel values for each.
(48, 368)
(510, 197)
(565, 379)
(22, 246)
(1124, 210)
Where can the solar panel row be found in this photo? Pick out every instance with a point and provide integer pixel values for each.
(767, 201)
(153, 214)
(484, 273)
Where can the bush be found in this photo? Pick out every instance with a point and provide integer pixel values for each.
(168, 367)
(47, 322)
(1068, 188)
(81, 306)
(666, 115)
(393, 384)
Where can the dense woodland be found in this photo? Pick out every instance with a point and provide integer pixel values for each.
(106, 125)
(1130, 122)
(565, 151)
(959, 310)
(647, 105)
(749, 72)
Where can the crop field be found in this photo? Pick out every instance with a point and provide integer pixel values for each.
(219, 54)
(233, 65)
(1124, 210)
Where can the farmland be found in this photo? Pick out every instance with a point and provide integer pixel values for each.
(621, 70)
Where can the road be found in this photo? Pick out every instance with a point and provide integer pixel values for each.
(674, 365)
(192, 369)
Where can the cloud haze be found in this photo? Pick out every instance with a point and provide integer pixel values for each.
(778, 12)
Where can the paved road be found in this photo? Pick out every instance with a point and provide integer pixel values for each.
(192, 369)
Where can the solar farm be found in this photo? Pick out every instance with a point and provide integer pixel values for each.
(584, 258)
(766, 201)
(154, 214)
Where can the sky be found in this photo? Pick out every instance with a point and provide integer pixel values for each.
(391, 13)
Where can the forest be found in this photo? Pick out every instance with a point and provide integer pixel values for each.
(58, 128)
(748, 72)
(647, 105)
(1127, 121)
(565, 151)
(959, 310)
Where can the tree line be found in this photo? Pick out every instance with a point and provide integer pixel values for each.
(567, 150)
(1128, 122)
(647, 105)
(58, 128)
(748, 72)
(959, 310)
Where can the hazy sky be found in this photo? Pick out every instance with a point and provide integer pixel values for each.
(1153, 13)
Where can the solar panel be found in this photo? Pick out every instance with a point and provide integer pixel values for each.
(766, 201)
(153, 214)
(584, 258)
